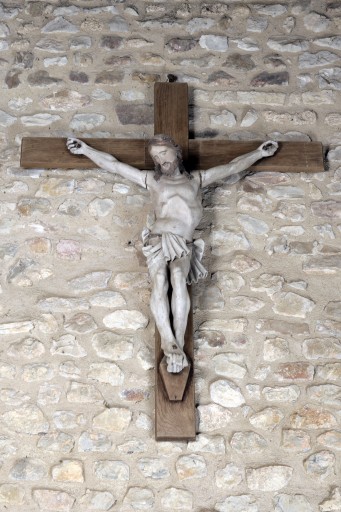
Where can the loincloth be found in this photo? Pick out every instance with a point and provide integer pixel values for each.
(169, 247)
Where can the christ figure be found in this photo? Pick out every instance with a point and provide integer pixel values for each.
(173, 256)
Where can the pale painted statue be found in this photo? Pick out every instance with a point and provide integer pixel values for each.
(168, 242)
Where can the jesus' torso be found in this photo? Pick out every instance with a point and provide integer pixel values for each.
(177, 204)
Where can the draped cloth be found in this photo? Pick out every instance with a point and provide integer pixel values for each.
(169, 246)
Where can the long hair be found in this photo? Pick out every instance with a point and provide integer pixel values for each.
(165, 140)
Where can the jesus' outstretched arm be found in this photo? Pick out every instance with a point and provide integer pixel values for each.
(107, 162)
(239, 164)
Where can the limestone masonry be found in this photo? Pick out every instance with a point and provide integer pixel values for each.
(76, 362)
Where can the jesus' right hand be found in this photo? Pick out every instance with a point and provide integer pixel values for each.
(75, 146)
(268, 148)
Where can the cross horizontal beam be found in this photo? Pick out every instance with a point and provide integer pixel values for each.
(51, 153)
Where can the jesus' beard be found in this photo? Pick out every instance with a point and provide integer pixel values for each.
(170, 170)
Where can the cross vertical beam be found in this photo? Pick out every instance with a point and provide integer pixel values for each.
(171, 113)
(174, 420)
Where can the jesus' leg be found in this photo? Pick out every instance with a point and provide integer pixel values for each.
(179, 269)
(159, 304)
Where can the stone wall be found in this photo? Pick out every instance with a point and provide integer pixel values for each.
(76, 369)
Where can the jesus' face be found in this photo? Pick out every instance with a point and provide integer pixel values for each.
(166, 157)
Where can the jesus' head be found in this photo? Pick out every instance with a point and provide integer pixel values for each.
(167, 156)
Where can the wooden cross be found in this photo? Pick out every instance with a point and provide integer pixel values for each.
(174, 393)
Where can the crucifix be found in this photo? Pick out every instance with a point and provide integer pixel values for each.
(172, 255)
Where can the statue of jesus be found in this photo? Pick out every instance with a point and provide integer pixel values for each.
(173, 257)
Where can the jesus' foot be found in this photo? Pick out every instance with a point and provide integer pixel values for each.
(175, 357)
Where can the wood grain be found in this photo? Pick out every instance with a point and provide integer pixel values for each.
(174, 383)
(171, 113)
(290, 156)
(175, 420)
(51, 153)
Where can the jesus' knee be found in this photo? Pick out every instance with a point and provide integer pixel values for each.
(178, 279)
(177, 275)
(159, 285)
